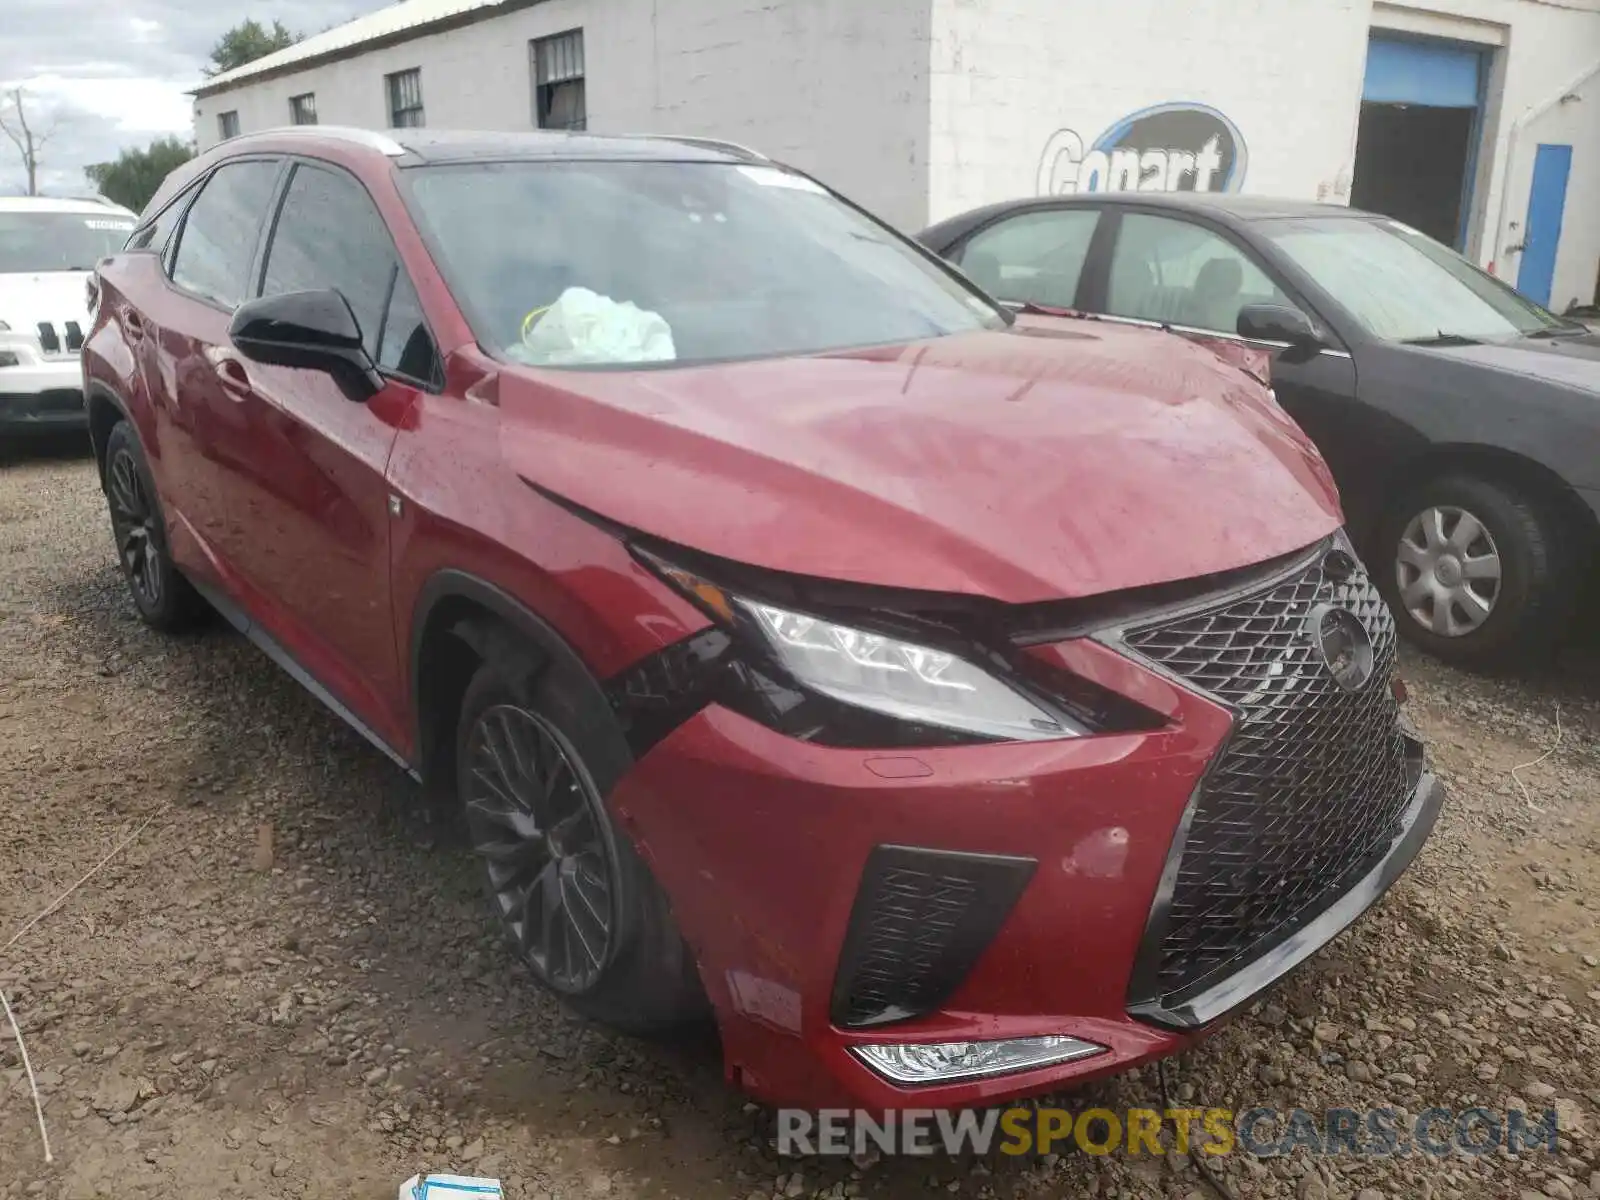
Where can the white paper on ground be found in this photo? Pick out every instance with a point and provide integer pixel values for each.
(449, 1187)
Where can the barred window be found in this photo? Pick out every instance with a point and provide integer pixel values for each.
(405, 99)
(558, 95)
(303, 109)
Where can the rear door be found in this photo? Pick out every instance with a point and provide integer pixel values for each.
(1037, 256)
(211, 270)
(307, 506)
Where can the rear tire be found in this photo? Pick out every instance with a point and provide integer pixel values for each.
(537, 750)
(1473, 571)
(164, 598)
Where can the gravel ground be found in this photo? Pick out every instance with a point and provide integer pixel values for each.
(285, 985)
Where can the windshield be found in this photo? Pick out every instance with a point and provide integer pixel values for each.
(1401, 285)
(626, 263)
(53, 241)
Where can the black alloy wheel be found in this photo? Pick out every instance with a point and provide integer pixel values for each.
(164, 597)
(535, 818)
(134, 523)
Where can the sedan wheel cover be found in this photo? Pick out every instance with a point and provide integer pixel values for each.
(133, 523)
(1449, 571)
(535, 820)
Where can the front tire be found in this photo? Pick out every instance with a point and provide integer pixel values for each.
(536, 752)
(1472, 570)
(164, 598)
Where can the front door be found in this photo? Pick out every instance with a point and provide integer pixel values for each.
(308, 509)
(1190, 277)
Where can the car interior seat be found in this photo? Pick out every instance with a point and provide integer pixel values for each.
(1214, 299)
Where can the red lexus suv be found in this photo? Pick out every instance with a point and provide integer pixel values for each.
(959, 705)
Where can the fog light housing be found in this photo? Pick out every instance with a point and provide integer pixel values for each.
(913, 1064)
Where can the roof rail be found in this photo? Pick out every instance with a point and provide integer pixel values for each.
(348, 133)
(709, 143)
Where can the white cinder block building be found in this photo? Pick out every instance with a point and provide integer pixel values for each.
(1475, 120)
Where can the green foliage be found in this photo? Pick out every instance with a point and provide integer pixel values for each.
(136, 174)
(247, 42)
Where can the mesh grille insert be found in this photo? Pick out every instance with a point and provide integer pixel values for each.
(1308, 793)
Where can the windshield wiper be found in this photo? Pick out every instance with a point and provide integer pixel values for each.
(1442, 339)
(1034, 309)
(1559, 331)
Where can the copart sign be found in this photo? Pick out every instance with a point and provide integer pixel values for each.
(1169, 148)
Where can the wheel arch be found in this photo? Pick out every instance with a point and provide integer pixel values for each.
(105, 410)
(1495, 464)
(457, 611)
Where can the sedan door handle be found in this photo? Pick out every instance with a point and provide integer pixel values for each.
(134, 324)
(230, 371)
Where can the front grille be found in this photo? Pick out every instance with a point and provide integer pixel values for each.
(920, 920)
(1309, 791)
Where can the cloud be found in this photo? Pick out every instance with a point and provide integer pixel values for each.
(107, 75)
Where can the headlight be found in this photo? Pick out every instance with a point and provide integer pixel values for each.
(902, 679)
(905, 680)
(4, 327)
(8, 358)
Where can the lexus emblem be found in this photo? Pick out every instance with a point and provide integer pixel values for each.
(1344, 645)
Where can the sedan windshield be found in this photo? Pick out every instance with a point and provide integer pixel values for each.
(53, 241)
(1402, 286)
(628, 263)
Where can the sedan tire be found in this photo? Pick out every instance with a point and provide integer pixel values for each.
(1472, 570)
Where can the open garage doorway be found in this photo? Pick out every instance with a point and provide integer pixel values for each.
(1421, 121)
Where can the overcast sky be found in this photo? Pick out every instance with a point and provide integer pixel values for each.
(112, 73)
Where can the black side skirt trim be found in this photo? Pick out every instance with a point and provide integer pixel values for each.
(274, 650)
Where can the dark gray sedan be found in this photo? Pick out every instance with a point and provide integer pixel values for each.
(1461, 420)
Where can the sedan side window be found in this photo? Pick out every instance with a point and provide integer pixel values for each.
(218, 239)
(330, 235)
(1036, 256)
(1179, 273)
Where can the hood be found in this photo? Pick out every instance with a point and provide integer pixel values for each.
(1064, 464)
(56, 297)
(1572, 362)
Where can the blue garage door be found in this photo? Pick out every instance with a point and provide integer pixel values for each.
(1415, 71)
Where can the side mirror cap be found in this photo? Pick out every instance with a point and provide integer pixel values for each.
(316, 331)
(1278, 323)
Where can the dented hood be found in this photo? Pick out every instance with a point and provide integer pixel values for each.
(1060, 460)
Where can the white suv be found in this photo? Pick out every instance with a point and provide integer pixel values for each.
(48, 251)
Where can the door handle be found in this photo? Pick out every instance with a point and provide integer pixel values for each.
(230, 371)
(134, 324)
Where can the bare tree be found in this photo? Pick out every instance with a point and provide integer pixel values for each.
(29, 139)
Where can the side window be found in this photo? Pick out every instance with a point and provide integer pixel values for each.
(1179, 273)
(330, 235)
(1038, 256)
(158, 232)
(406, 347)
(218, 238)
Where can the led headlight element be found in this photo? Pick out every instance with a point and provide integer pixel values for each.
(913, 1063)
(914, 683)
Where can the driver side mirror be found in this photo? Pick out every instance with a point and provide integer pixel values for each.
(316, 331)
(1279, 323)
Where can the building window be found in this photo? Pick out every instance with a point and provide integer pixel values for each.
(405, 99)
(303, 109)
(228, 124)
(558, 101)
